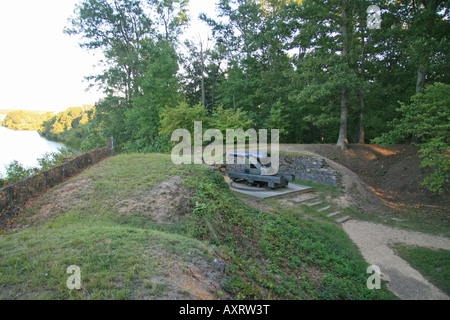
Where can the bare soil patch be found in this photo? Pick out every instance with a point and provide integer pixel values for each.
(54, 202)
(60, 199)
(165, 202)
(199, 280)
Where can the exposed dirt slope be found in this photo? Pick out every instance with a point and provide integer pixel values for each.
(393, 175)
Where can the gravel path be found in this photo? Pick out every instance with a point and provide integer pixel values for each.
(375, 241)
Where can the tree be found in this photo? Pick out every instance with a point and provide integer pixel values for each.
(117, 28)
(25, 120)
(258, 69)
(172, 16)
(125, 31)
(325, 71)
(202, 66)
(312, 69)
(429, 33)
(424, 34)
(427, 118)
(345, 23)
(68, 126)
(159, 89)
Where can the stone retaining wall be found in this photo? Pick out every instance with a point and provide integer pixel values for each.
(306, 168)
(309, 168)
(15, 195)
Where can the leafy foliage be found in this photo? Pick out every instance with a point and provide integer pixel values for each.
(223, 119)
(159, 87)
(426, 120)
(137, 39)
(16, 171)
(53, 159)
(182, 117)
(69, 126)
(25, 120)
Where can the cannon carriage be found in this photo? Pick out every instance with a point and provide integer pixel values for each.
(258, 171)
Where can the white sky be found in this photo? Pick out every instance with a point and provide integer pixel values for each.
(41, 68)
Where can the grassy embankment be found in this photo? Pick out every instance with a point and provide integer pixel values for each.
(432, 264)
(287, 254)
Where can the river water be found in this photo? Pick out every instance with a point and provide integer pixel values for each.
(23, 146)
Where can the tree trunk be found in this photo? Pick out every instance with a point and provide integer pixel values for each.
(202, 61)
(361, 116)
(342, 140)
(420, 79)
(431, 7)
(362, 91)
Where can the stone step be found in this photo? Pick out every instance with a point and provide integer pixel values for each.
(303, 200)
(313, 204)
(341, 220)
(333, 214)
(324, 208)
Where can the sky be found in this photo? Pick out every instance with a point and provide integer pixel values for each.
(41, 68)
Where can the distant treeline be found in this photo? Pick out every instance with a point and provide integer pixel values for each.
(25, 120)
(69, 126)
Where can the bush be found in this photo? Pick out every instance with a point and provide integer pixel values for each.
(16, 172)
(223, 119)
(53, 159)
(183, 117)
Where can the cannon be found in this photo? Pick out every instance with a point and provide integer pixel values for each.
(256, 173)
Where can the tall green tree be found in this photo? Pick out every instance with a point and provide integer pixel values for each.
(326, 77)
(252, 42)
(160, 88)
(203, 72)
(427, 29)
(117, 28)
(125, 31)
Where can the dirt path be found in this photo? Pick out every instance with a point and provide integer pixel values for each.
(375, 240)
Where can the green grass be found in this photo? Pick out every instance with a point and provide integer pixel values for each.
(129, 256)
(432, 264)
(295, 154)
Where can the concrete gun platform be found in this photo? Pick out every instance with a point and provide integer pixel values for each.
(263, 193)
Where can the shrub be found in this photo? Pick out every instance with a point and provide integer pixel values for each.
(223, 119)
(15, 172)
(53, 159)
(183, 117)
